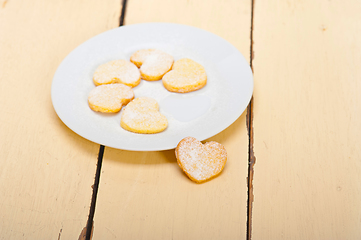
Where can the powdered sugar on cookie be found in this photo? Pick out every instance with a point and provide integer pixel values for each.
(110, 98)
(186, 76)
(117, 71)
(142, 116)
(153, 63)
(200, 162)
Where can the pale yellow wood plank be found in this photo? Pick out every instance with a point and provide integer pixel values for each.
(46, 170)
(229, 19)
(307, 181)
(145, 195)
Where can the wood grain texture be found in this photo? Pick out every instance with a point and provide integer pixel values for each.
(46, 170)
(307, 136)
(145, 195)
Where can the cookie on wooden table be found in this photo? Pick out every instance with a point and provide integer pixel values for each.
(200, 162)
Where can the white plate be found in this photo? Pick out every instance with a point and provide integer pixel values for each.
(200, 114)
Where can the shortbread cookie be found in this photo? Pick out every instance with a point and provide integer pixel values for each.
(142, 116)
(153, 63)
(186, 76)
(117, 71)
(200, 161)
(110, 98)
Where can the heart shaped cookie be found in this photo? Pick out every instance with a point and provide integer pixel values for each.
(200, 161)
(186, 76)
(110, 98)
(117, 71)
(142, 116)
(153, 63)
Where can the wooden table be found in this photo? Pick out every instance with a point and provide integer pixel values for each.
(294, 158)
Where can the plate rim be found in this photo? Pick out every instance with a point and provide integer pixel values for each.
(121, 28)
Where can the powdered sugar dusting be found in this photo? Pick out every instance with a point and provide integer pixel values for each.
(142, 116)
(185, 76)
(120, 71)
(140, 56)
(157, 63)
(110, 97)
(200, 162)
(153, 63)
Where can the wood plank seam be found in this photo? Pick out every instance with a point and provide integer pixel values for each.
(251, 156)
(60, 233)
(122, 14)
(90, 222)
(89, 225)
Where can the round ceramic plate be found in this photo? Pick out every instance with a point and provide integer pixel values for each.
(200, 114)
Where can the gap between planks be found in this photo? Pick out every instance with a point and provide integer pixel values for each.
(87, 232)
(251, 156)
(89, 225)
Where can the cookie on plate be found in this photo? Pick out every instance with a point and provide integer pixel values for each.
(153, 63)
(110, 98)
(142, 116)
(200, 162)
(186, 76)
(117, 71)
